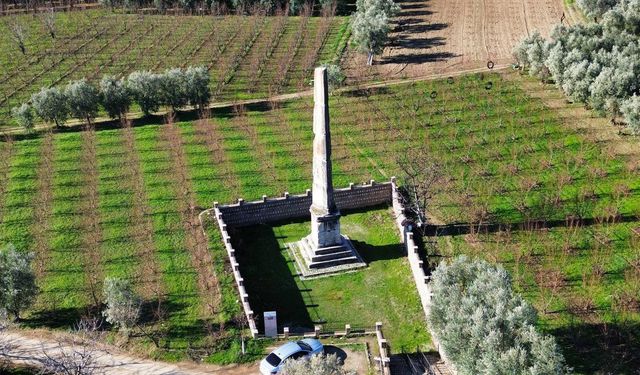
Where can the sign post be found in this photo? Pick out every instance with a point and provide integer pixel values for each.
(270, 324)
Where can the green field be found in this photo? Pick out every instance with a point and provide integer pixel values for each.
(383, 292)
(248, 56)
(564, 200)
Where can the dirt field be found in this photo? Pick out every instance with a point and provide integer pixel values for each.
(437, 36)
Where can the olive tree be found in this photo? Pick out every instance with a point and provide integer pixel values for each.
(18, 288)
(630, 109)
(486, 328)
(145, 88)
(335, 76)
(316, 365)
(370, 25)
(197, 86)
(173, 83)
(83, 99)
(115, 96)
(122, 303)
(19, 35)
(51, 105)
(24, 116)
(596, 8)
(49, 21)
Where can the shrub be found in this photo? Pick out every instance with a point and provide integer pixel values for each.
(51, 105)
(123, 305)
(18, 288)
(316, 365)
(335, 75)
(484, 327)
(24, 116)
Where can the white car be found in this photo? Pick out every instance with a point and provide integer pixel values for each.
(272, 364)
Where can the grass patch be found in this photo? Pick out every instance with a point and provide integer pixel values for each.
(384, 291)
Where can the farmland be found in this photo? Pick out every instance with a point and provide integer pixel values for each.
(563, 204)
(248, 56)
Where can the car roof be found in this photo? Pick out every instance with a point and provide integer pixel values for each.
(287, 349)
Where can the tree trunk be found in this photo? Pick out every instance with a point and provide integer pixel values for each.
(370, 59)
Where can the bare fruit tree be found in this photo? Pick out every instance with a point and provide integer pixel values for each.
(77, 354)
(19, 35)
(420, 172)
(49, 21)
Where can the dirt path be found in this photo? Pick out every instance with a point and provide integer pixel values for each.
(109, 360)
(438, 36)
(27, 345)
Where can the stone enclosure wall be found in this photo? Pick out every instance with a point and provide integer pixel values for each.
(290, 207)
(286, 208)
(417, 264)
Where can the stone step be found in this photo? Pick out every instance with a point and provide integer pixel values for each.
(330, 250)
(334, 262)
(335, 255)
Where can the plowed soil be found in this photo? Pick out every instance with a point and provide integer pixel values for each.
(438, 36)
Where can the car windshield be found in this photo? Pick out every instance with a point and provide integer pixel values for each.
(273, 360)
(304, 346)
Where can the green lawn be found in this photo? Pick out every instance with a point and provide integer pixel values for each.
(384, 291)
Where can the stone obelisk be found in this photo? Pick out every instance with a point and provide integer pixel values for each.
(325, 217)
(325, 250)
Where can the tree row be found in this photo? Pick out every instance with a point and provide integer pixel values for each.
(175, 88)
(596, 63)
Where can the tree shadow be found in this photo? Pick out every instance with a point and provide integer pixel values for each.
(418, 59)
(423, 28)
(55, 318)
(370, 253)
(269, 278)
(601, 348)
(414, 13)
(424, 43)
(455, 229)
(413, 362)
(339, 353)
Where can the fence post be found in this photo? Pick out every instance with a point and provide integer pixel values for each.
(285, 330)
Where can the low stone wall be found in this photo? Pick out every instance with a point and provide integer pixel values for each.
(287, 207)
(416, 264)
(297, 206)
(417, 267)
(384, 359)
(235, 267)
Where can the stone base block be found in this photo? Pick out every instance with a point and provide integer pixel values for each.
(322, 261)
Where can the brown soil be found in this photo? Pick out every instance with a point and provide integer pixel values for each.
(438, 36)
